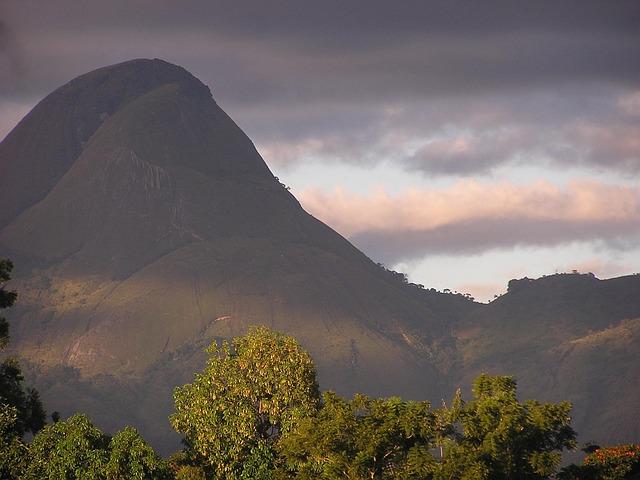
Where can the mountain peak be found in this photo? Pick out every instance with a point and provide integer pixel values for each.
(40, 150)
(139, 147)
(134, 77)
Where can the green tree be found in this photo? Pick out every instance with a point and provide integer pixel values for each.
(76, 449)
(26, 401)
(184, 467)
(620, 462)
(20, 409)
(500, 438)
(7, 299)
(131, 458)
(251, 392)
(30, 413)
(13, 450)
(70, 449)
(363, 438)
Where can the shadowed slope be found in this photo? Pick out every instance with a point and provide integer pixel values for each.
(38, 152)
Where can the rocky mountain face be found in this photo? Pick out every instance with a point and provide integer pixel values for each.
(144, 225)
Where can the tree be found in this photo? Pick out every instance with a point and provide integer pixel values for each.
(76, 449)
(7, 299)
(26, 401)
(363, 438)
(184, 467)
(131, 458)
(251, 392)
(70, 449)
(13, 450)
(14, 397)
(620, 462)
(501, 438)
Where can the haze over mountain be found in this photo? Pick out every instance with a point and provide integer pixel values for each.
(144, 224)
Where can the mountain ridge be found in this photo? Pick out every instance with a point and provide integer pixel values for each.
(154, 227)
(168, 230)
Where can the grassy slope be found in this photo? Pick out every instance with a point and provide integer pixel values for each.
(568, 337)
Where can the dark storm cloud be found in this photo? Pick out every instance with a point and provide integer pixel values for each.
(409, 47)
(10, 61)
(320, 78)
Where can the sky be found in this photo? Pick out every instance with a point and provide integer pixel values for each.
(463, 143)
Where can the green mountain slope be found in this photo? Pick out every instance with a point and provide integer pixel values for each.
(159, 229)
(144, 225)
(566, 336)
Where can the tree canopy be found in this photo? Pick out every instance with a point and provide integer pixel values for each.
(497, 437)
(252, 391)
(30, 415)
(361, 438)
(75, 448)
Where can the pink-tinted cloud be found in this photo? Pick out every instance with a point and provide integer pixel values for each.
(585, 201)
(473, 151)
(608, 145)
(472, 217)
(630, 103)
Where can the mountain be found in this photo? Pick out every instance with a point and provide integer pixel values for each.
(565, 337)
(144, 224)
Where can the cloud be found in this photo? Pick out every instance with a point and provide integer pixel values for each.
(630, 103)
(472, 217)
(471, 152)
(10, 56)
(591, 128)
(610, 146)
(370, 80)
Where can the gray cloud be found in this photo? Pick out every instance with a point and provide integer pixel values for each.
(363, 48)
(481, 235)
(348, 82)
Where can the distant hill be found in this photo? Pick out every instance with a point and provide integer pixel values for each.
(144, 225)
(565, 336)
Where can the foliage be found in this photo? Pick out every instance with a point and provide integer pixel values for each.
(622, 461)
(69, 449)
(501, 438)
(611, 463)
(184, 467)
(130, 458)
(361, 438)
(30, 415)
(13, 451)
(7, 299)
(76, 449)
(190, 472)
(251, 392)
